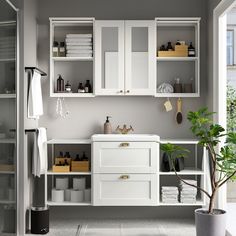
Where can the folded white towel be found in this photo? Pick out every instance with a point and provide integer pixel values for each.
(79, 36)
(79, 40)
(169, 197)
(35, 101)
(79, 54)
(80, 44)
(170, 192)
(169, 188)
(170, 201)
(190, 181)
(79, 47)
(39, 162)
(191, 191)
(79, 51)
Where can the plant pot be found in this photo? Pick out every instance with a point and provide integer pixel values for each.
(210, 224)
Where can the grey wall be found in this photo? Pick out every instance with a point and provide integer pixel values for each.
(211, 6)
(144, 113)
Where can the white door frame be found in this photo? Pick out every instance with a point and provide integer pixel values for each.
(220, 73)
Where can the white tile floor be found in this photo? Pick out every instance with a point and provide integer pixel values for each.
(162, 227)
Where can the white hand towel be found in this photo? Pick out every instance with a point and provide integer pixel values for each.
(79, 54)
(35, 101)
(40, 159)
(78, 40)
(83, 51)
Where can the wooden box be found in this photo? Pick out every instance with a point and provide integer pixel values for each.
(60, 168)
(179, 53)
(6, 167)
(80, 166)
(62, 160)
(181, 48)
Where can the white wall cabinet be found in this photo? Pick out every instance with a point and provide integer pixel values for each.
(125, 57)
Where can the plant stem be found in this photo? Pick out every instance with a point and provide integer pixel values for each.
(227, 179)
(212, 200)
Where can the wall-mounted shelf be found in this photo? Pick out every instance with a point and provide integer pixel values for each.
(177, 58)
(69, 141)
(7, 140)
(67, 173)
(50, 203)
(72, 59)
(185, 68)
(7, 60)
(198, 203)
(7, 172)
(7, 96)
(72, 95)
(186, 171)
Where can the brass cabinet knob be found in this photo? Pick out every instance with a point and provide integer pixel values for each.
(124, 177)
(124, 144)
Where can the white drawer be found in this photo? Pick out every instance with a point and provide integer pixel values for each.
(124, 189)
(125, 157)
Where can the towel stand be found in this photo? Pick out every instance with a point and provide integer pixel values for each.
(42, 73)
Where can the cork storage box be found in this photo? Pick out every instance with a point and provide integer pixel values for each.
(60, 168)
(79, 166)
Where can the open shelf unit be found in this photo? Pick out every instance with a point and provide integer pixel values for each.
(73, 69)
(185, 68)
(73, 146)
(196, 170)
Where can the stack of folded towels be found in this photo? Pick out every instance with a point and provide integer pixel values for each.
(7, 47)
(79, 45)
(188, 194)
(169, 194)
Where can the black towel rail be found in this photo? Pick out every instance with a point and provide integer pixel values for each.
(36, 69)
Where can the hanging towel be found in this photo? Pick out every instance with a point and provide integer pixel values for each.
(35, 101)
(40, 159)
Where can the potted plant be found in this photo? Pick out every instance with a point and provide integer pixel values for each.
(211, 221)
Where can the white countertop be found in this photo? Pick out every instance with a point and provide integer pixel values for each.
(125, 137)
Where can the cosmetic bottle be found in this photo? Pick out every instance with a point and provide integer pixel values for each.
(107, 126)
(60, 84)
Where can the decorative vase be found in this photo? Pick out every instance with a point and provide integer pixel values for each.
(210, 224)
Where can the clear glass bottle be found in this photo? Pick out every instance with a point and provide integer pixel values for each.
(68, 87)
(55, 51)
(62, 49)
(81, 88)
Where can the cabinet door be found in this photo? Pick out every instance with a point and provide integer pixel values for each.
(125, 189)
(140, 57)
(125, 157)
(109, 57)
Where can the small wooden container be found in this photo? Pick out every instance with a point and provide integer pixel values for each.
(80, 166)
(62, 160)
(5, 167)
(181, 48)
(60, 168)
(177, 53)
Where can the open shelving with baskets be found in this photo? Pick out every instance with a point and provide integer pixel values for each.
(53, 175)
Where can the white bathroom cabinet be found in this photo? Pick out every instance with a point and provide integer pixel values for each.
(125, 57)
(124, 171)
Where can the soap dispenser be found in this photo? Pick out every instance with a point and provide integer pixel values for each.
(107, 126)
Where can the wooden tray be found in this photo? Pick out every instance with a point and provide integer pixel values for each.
(5, 167)
(179, 53)
(60, 168)
(79, 166)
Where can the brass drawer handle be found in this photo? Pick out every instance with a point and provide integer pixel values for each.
(124, 177)
(124, 144)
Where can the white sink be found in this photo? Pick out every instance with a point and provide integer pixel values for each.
(125, 137)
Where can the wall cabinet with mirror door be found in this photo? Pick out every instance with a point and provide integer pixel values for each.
(125, 57)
